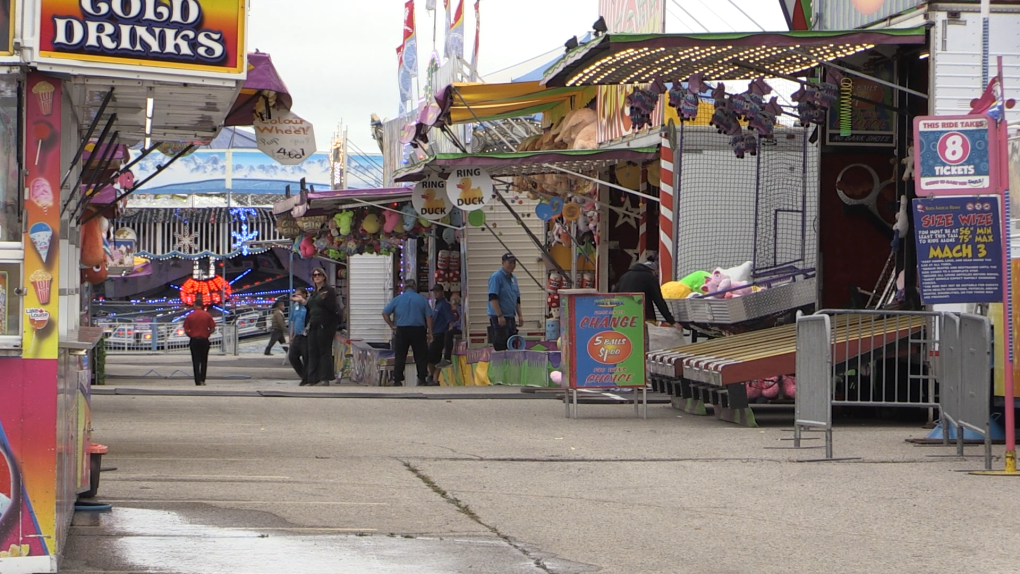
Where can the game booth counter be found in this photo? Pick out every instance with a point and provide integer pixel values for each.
(70, 104)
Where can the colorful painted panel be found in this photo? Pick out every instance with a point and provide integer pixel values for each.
(42, 212)
(28, 462)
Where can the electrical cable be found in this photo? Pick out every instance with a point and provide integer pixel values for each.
(691, 16)
(725, 21)
(739, 9)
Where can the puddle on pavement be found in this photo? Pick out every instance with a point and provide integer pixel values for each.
(167, 542)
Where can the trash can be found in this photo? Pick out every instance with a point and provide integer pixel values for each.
(230, 339)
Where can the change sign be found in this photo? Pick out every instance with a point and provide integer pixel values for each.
(959, 249)
(954, 155)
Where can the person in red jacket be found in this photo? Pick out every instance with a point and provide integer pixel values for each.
(199, 325)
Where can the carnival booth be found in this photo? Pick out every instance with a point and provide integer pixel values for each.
(555, 199)
(373, 240)
(805, 147)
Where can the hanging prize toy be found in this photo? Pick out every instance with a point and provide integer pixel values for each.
(552, 288)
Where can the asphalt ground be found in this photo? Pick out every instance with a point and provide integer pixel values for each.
(250, 475)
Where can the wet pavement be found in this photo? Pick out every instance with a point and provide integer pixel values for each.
(249, 481)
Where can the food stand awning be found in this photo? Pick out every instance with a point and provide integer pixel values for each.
(527, 162)
(465, 103)
(263, 81)
(640, 58)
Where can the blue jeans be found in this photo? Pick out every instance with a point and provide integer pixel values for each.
(498, 335)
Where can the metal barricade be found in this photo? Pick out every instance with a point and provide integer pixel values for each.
(965, 379)
(813, 407)
(884, 358)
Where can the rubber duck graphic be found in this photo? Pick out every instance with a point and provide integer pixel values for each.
(467, 192)
(431, 201)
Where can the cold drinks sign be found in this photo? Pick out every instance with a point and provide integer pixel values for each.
(469, 188)
(954, 155)
(603, 338)
(184, 34)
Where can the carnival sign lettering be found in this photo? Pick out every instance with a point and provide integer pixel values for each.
(954, 155)
(429, 199)
(285, 137)
(179, 33)
(469, 188)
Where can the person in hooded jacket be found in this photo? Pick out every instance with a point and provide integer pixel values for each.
(644, 278)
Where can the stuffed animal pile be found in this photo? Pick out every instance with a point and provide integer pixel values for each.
(361, 230)
(719, 284)
(814, 101)
(575, 130)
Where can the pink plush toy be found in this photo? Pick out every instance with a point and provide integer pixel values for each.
(307, 247)
(715, 282)
(556, 377)
(789, 385)
(391, 219)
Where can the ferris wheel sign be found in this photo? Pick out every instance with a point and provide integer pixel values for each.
(955, 155)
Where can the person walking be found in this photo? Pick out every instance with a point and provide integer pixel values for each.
(442, 321)
(504, 303)
(411, 329)
(644, 278)
(323, 321)
(451, 333)
(279, 327)
(199, 326)
(298, 353)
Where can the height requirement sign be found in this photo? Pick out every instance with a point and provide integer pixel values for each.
(954, 155)
(959, 249)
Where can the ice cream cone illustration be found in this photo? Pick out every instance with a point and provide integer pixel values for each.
(44, 92)
(41, 283)
(41, 234)
(41, 193)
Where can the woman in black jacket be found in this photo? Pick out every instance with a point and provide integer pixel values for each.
(323, 321)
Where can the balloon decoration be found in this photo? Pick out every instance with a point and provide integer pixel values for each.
(211, 290)
(476, 218)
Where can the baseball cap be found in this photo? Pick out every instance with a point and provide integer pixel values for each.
(509, 257)
(438, 287)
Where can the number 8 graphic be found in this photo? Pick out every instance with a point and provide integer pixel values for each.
(954, 148)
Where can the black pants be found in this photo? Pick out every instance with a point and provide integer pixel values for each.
(199, 357)
(276, 336)
(298, 356)
(320, 354)
(448, 342)
(498, 336)
(415, 338)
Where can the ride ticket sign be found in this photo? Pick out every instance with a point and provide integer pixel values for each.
(955, 155)
(959, 249)
(603, 336)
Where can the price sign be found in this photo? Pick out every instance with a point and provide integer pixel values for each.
(959, 249)
(955, 155)
(285, 137)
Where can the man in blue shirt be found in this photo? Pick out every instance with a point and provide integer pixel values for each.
(504, 303)
(298, 353)
(442, 322)
(412, 329)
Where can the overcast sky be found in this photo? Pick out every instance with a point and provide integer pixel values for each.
(338, 57)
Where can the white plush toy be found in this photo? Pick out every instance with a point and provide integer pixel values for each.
(902, 224)
(739, 274)
(908, 166)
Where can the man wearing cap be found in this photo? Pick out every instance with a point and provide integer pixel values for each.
(412, 329)
(504, 303)
(644, 278)
(442, 320)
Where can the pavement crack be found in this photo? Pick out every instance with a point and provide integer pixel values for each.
(466, 510)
